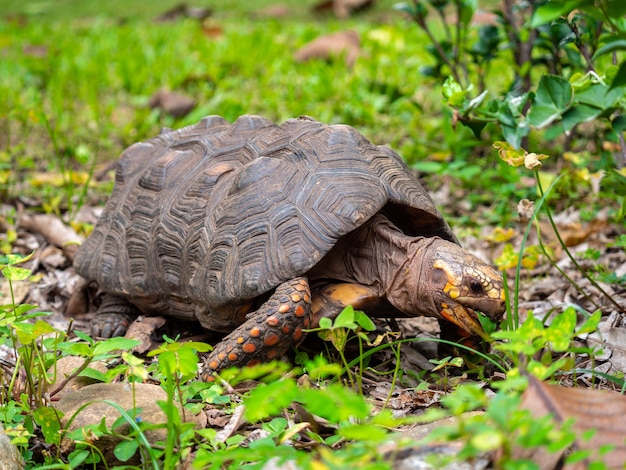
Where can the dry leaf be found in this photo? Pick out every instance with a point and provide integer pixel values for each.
(612, 339)
(273, 11)
(182, 10)
(601, 410)
(525, 209)
(331, 45)
(54, 230)
(174, 104)
(343, 8)
(573, 233)
(142, 328)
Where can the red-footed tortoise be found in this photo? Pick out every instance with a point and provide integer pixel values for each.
(259, 230)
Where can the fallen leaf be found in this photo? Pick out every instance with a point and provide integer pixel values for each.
(612, 340)
(342, 8)
(54, 230)
(599, 410)
(273, 11)
(142, 329)
(182, 10)
(174, 104)
(331, 45)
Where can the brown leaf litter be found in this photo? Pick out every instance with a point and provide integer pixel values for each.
(344, 44)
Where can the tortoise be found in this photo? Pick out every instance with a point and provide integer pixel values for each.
(259, 230)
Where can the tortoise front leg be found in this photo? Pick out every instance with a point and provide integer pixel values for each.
(113, 317)
(267, 333)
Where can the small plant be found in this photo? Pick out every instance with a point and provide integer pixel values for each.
(355, 431)
(571, 45)
(338, 331)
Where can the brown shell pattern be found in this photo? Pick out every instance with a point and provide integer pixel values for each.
(217, 213)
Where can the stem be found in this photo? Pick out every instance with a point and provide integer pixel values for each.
(518, 268)
(582, 47)
(442, 54)
(569, 254)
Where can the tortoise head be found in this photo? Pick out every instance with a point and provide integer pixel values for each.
(462, 284)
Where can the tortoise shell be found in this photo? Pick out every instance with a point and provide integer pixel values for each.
(218, 214)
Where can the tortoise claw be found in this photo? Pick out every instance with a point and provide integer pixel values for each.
(110, 325)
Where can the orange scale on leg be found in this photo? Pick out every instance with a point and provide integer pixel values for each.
(284, 308)
(255, 332)
(297, 334)
(299, 311)
(249, 348)
(271, 340)
(272, 321)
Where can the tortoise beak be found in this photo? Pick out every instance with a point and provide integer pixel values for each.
(464, 318)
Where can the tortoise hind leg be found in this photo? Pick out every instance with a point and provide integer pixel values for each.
(329, 301)
(268, 332)
(113, 317)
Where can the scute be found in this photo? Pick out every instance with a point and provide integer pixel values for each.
(216, 213)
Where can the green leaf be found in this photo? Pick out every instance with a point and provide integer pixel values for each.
(76, 349)
(14, 273)
(334, 403)
(364, 321)
(612, 44)
(363, 432)
(126, 449)
(541, 116)
(591, 324)
(93, 374)
(559, 333)
(467, 8)
(619, 123)
(579, 113)
(76, 458)
(550, 11)
(619, 80)
(453, 93)
(114, 344)
(599, 96)
(28, 332)
(326, 323)
(552, 99)
(269, 399)
(514, 134)
(49, 420)
(345, 319)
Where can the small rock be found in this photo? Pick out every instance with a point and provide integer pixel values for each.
(422, 456)
(10, 457)
(145, 397)
(65, 367)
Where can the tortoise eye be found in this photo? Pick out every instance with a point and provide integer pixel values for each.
(476, 286)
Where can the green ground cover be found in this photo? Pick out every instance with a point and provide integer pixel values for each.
(75, 81)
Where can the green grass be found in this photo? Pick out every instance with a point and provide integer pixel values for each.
(88, 94)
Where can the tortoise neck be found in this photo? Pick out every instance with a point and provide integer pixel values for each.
(400, 264)
(379, 255)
